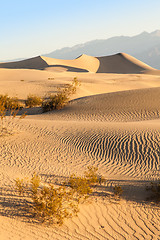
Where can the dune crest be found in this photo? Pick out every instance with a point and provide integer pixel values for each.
(83, 62)
(120, 63)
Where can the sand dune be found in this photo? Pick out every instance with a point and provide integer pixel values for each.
(112, 122)
(120, 63)
(133, 105)
(82, 63)
(31, 63)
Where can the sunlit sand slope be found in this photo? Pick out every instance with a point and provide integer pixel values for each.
(134, 105)
(82, 63)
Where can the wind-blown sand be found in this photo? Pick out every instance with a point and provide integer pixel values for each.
(112, 122)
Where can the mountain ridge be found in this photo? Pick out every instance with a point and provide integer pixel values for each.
(140, 46)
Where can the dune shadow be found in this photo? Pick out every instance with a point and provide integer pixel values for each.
(133, 190)
(67, 68)
(32, 63)
(12, 205)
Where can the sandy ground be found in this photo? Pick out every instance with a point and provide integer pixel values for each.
(112, 122)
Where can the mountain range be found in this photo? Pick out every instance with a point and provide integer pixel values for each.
(144, 46)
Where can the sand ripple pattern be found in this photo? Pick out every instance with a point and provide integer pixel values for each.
(134, 105)
(125, 152)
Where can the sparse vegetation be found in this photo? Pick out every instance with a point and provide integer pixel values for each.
(117, 190)
(9, 103)
(49, 203)
(53, 204)
(8, 107)
(80, 185)
(59, 100)
(33, 101)
(21, 185)
(155, 189)
(93, 177)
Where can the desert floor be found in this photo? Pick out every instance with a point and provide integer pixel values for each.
(113, 123)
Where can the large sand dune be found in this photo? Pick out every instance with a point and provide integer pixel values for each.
(112, 122)
(133, 105)
(122, 63)
(118, 63)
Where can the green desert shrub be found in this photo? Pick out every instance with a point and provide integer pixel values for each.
(33, 101)
(61, 99)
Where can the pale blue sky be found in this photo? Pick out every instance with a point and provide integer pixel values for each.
(34, 27)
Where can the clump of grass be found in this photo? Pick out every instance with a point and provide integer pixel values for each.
(33, 101)
(117, 190)
(61, 99)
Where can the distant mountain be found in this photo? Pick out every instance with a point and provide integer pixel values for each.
(145, 47)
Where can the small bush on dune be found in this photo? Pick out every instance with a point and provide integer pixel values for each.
(10, 103)
(80, 185)
(20, 186)
(155, 189)
(83, 185)
(59, 100)
(33, 101)
(117, 190)
(53, 204)
(49, 204)
(93, 177)
(8, 107)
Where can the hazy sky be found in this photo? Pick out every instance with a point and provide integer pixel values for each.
(34, 27)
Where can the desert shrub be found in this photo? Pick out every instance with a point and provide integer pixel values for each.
(80, 185)
(10, 103)
(93, 177)
(20, 186)
(59, 100)
(53, 204)
(83, 185)
(8, 107)
(155, 189)
(117, 190)
(49, 204)
(33, 101)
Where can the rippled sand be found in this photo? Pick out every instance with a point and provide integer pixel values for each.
(113, 122)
